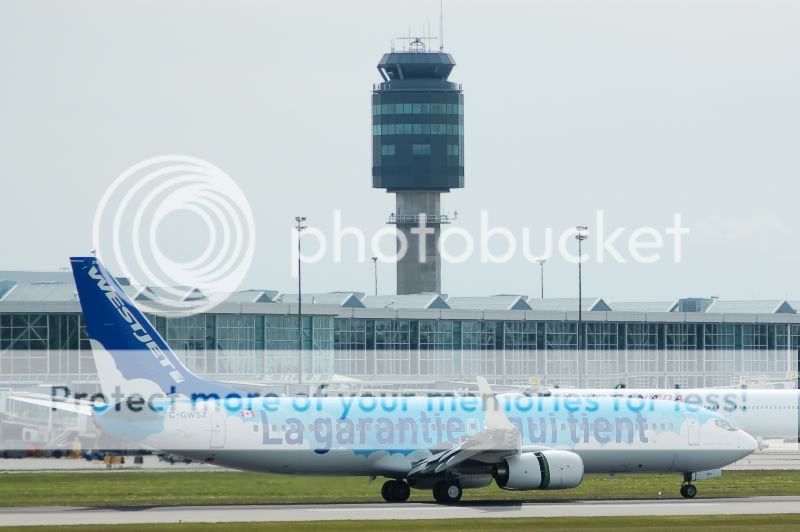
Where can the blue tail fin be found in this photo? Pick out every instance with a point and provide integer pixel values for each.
(130, 355)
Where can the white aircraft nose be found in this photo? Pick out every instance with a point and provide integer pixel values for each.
(747, 443)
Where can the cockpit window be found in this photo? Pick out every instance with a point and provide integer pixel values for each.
(725, 424)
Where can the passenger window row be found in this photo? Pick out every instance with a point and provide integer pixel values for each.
(371, 426)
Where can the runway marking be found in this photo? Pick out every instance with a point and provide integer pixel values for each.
(49, 516)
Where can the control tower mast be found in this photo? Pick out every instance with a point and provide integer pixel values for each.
(417, 153)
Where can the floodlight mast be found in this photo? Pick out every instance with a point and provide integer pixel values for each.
(541, 262)
(299, 228)
(580, 236)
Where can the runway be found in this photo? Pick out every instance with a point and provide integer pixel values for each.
(49, 516)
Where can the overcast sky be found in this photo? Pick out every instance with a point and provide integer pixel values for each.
(639, 108)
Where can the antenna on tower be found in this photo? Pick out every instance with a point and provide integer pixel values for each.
(428, 31)
(441, 26)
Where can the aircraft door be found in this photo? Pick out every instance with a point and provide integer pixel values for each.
(217, 430)
(693, 429)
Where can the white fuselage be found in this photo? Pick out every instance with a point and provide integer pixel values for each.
(331, 437)
(761, 413)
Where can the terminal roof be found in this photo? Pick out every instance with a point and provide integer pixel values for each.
(588, 304)
(43, 288)
(498, 302)
(772, 306)
(410, 301)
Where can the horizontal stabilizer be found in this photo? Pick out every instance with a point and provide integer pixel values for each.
(83, 408)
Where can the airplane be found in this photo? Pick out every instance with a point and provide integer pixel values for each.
(442, 444)
(762, 413)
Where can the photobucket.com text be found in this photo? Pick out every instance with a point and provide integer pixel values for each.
(493, 244)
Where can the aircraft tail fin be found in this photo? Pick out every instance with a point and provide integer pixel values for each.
(129, 353)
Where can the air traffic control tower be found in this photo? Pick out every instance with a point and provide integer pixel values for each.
(418, 153)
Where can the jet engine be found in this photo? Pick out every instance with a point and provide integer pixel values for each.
(541, 470)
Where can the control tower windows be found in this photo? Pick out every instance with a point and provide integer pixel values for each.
(421, 149)
(418, 108)
(418, 129)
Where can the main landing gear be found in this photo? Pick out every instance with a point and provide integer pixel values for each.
(447, 492)
(395, 491)
(688, 490)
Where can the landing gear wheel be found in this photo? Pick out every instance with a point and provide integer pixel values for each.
(395, 491)
(447, 492)
(401, 491)
(688, 491)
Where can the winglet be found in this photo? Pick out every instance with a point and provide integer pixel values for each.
(495, 416)
(484, 388)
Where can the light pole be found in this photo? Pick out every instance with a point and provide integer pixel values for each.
(375, 267)
(299, 228)
(541, 274)
(580, 237)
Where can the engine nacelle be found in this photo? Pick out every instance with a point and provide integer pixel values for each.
(541, 470)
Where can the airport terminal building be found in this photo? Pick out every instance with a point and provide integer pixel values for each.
(421, 338)
(417, 339)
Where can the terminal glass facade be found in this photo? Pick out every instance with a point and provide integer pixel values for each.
(45, 347)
